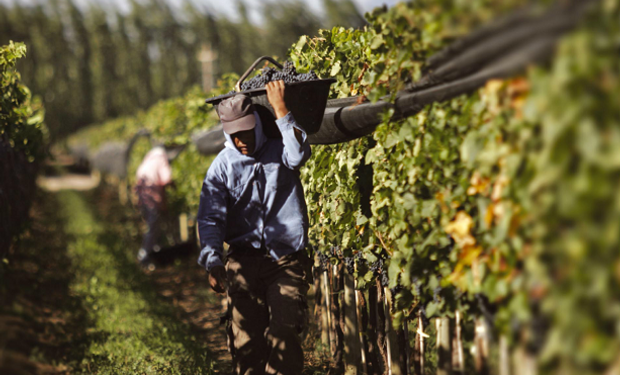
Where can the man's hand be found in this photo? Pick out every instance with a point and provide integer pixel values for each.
(218, 279)
(275, 95)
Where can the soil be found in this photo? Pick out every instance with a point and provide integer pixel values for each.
(38, 310)
(39, 317)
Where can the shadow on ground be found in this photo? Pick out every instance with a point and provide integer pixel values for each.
(183, 283)
(43, 327)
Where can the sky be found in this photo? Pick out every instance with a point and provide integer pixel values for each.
(224, 7)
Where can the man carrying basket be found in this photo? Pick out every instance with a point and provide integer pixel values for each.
(252, 199)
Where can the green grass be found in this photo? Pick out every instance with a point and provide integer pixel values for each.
(133, 330)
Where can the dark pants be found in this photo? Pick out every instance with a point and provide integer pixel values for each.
(151, 200)
(152, 216)
(267, 300)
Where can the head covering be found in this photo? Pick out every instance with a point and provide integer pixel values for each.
(236, 114)
(259, 136)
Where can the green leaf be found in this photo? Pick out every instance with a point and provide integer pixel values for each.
(377, 41)
(301, 43)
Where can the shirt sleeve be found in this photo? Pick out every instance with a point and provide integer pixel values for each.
(212, 220)
(295, 154)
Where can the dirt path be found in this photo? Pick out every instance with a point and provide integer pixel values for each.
(42, 324)
(184, 286)
(50, 329)
(79, 182)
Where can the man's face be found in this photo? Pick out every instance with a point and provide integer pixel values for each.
(244, 141)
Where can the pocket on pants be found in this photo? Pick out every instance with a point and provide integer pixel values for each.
(298, 266)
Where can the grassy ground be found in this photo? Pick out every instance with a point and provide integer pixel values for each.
(133, 331)
(73, 289)
(73, 300)
(43, 323)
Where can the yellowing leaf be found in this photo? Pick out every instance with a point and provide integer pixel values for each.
(460, 229)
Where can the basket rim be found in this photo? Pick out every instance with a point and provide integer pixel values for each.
(260, 91)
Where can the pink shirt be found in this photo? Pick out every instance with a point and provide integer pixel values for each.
(155, 169)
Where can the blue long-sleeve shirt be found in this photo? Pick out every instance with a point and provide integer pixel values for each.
(255, 201)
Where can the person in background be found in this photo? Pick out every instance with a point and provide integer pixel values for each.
(253, 199)
(152, 176)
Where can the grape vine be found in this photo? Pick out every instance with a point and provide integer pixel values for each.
(502, 203)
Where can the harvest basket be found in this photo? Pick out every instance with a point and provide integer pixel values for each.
(305, 100)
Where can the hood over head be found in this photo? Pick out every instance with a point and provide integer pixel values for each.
(260, 137)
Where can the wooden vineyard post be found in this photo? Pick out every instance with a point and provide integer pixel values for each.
(122, 191)
(375, 365)
(364, 326)
(524, 361)
(352, 349)
(504, 356)
(481, 344)
(395, 367)
(207, 56)
(614, 368)
(361, 315)
(403, 344)
(197, 229)
(321, 310)
(327, 316)
(183, 227)
(381, 328)
(444, 349)
(336, 317)
(458, 360)
(418, 356)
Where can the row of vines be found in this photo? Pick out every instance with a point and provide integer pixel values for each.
(22, 146)
(502, 205)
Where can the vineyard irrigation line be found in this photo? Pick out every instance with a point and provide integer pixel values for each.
(496, 39)
(345, 124)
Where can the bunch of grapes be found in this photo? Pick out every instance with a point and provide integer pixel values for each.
(437, 290)
(417, 285)
(323, 261)
(394, 291)
(486, 307)
(376, 267)
(436, 294)
(288, 74)
(385, 279)
(425, 321)
(350, 262)
(379, 270)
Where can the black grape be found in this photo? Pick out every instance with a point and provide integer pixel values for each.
(288, 74)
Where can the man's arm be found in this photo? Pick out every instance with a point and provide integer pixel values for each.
(296, 146)
(211, 226)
